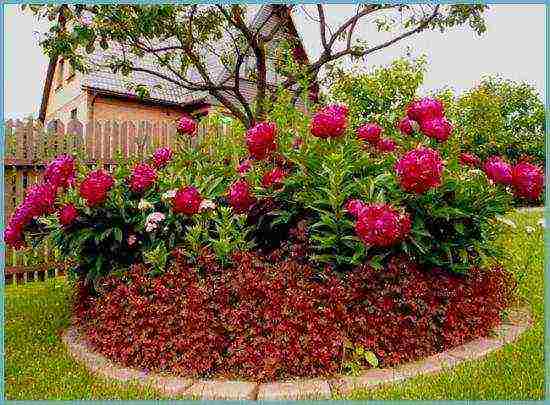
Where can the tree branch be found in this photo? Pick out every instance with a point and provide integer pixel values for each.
(322, 28)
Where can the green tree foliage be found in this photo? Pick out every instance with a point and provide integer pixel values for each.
(381, 95)
(185, 40)
(501, 117)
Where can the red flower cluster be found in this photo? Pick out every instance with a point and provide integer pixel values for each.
(95, 186)
(467, 159)
(381, 225)
(187, 126)
(266, 322)
(67, 214)
(60, 172)
(419, 170)
(428, 113)
(425, 109)
(162, 157)
(260, 139)
(437, 128)
(527, 180)
(239, 196)
(386, 145)
(187, 201)
(498, 170)
(39, 200)
(244, 167)
(330, 122)
(405, 126)
(143, 177)
(273, 177)
(369, 132)
(354, 207)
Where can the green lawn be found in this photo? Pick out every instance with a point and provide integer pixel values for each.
(37, 366)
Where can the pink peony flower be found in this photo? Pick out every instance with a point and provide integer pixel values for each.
(260, 139)
(67, 214)
(468, 159)
(437, 128)
(244, 167)
(369, 132)
(61, 171)
(527, 180)
(425, 109)
(405, 126)
(386, 145)
(143, 177)
(354, 207)
(40, 199)
(239, 196)
(13, 236)
(330, 122)
(381, 225)
(95, 186)
(419, 170)
(187, 201)
(273, 177)
(162, 157)
(498, 170)
(187, 126)
(152, 221)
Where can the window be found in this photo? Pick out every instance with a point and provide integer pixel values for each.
(73, 114)
(60, 73)
(52, 126)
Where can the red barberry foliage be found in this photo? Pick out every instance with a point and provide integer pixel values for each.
(263, 322)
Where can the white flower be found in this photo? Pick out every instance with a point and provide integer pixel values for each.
(152, 221)
(145, 205)
(529, 229)
(207, 205)
(169, 194)
(506, 221)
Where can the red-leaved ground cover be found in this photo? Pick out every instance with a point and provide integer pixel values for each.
(265, 320)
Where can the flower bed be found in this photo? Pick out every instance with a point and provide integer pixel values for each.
(265, 322)
(284, 252)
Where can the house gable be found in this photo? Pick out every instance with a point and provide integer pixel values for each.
(102, 81)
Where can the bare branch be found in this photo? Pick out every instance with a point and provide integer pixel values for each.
(322, 27)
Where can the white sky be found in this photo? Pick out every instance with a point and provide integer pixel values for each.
(513, 47)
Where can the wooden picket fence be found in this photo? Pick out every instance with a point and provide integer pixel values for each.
(29, 146)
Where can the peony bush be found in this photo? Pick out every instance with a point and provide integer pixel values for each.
(415, 196)
(295, 228)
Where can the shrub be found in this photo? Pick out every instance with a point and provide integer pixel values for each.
(210, 194)
(502, 117)
(273, 317)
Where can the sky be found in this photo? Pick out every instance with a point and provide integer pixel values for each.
(512, 47)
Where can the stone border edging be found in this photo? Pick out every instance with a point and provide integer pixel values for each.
(531, 209)
(518, 321)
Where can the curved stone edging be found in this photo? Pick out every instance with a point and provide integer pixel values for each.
(518, 320)
(531, 209)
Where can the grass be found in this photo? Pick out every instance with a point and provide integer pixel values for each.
(38, 367)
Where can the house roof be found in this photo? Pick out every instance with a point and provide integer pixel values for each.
(101, 79)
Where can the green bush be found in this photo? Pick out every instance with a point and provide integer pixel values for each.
(501, 117)
(306, 171)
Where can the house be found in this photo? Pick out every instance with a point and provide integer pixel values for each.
(102, 95)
